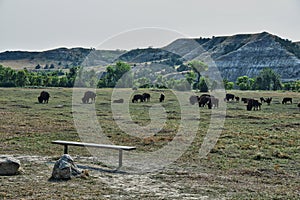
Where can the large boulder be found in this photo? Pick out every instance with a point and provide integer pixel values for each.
(9, 166)
(65, 169)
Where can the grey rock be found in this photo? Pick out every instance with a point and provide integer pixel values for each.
(9, 166)
(65, 168)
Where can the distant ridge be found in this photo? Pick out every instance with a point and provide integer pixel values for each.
(236, 55)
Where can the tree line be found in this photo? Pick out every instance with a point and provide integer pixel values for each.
(120, 75)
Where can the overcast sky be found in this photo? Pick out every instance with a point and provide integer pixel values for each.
(124, 24)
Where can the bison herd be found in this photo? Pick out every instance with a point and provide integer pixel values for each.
(145, 97)
(251, 104)
(204, 100)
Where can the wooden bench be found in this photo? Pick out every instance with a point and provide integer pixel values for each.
(105, 146)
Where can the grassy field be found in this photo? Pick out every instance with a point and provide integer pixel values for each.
(257, 155)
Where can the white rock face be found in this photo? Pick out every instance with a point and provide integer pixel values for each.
(9, 166)
(244, 54)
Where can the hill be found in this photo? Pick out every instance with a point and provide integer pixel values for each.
(60, 58)
(244, 54)
(237, 55)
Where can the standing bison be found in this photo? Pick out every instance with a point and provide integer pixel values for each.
(44, 97)
(162, 97)
(87, 96)
(287, 99)
(229, 97)
(253, 103)
(138, 97)
(146, 96)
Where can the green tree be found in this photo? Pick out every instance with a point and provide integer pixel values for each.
(190, 77)
(203, 85)
(267, 79)
(198, 67)
(228, 85)
(245, 83)
(114, 74)
(21, 78)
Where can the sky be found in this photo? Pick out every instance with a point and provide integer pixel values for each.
(37, 25)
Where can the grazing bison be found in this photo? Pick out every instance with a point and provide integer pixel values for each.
(268, 100)
(237, 98)
(118, 101)
(87, 96)
(255, 104)
(194, 99)
(162, 97)
(287, 99)
(146, 97)
(229, 97)
(44, 97)
(262, 99)
(138, 97)
(203, 100)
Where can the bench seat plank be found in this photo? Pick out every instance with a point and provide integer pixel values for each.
(106, 146)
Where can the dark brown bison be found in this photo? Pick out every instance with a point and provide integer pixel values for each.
(146, 96)
(287, 99)
(87, 96)
(262, 99)
(194, 99)
(162, 97)
(118, 101)
(138, 97)
(237, 98)
(44, 97)
(253, 103)
(203, 100)
(268, 100)
(229, 97)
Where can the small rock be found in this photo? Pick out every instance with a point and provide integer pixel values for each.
(9, 166)
(65, 169)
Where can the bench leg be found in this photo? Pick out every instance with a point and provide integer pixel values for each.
(120, 158)
(65, 149)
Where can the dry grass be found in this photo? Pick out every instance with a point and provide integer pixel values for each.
(256, 157)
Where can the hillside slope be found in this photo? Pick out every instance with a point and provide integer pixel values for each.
(237, 55)
(244, 54)
(60, 58)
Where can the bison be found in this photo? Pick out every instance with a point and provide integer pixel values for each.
(162, 97)
(203, 100)
(87, 96)
(146, 97)
(138, 97)
(287, 99)
(298, 106)
(237, 98)
(229, 97)
(255, 104)
(262, 99)
(44, 97)
(268, 100)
